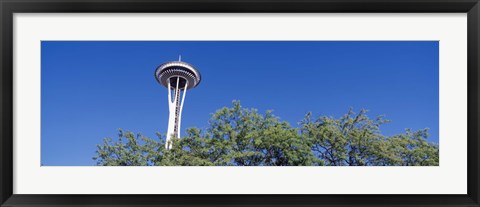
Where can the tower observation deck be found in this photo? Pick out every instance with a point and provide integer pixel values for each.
(177, 77)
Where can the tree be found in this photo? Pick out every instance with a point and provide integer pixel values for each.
(355, 140)
(244, 137)
(239, 136)
(409, 149)
(129, 150)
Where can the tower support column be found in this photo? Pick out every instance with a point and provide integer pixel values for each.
(175, 107)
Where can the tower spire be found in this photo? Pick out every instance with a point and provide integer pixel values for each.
(179, 57)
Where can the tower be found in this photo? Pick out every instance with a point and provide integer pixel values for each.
(178, 77)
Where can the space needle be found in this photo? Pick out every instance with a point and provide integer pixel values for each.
(177, 77)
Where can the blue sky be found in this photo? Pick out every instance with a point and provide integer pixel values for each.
(92, 88)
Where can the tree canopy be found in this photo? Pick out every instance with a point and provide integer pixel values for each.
(239, 136)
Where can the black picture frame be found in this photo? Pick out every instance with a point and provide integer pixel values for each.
(9, 7)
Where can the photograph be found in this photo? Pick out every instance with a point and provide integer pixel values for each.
(240, 103)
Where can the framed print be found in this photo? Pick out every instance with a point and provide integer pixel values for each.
(263, 103)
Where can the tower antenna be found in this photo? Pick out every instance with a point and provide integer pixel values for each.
(179, 57)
